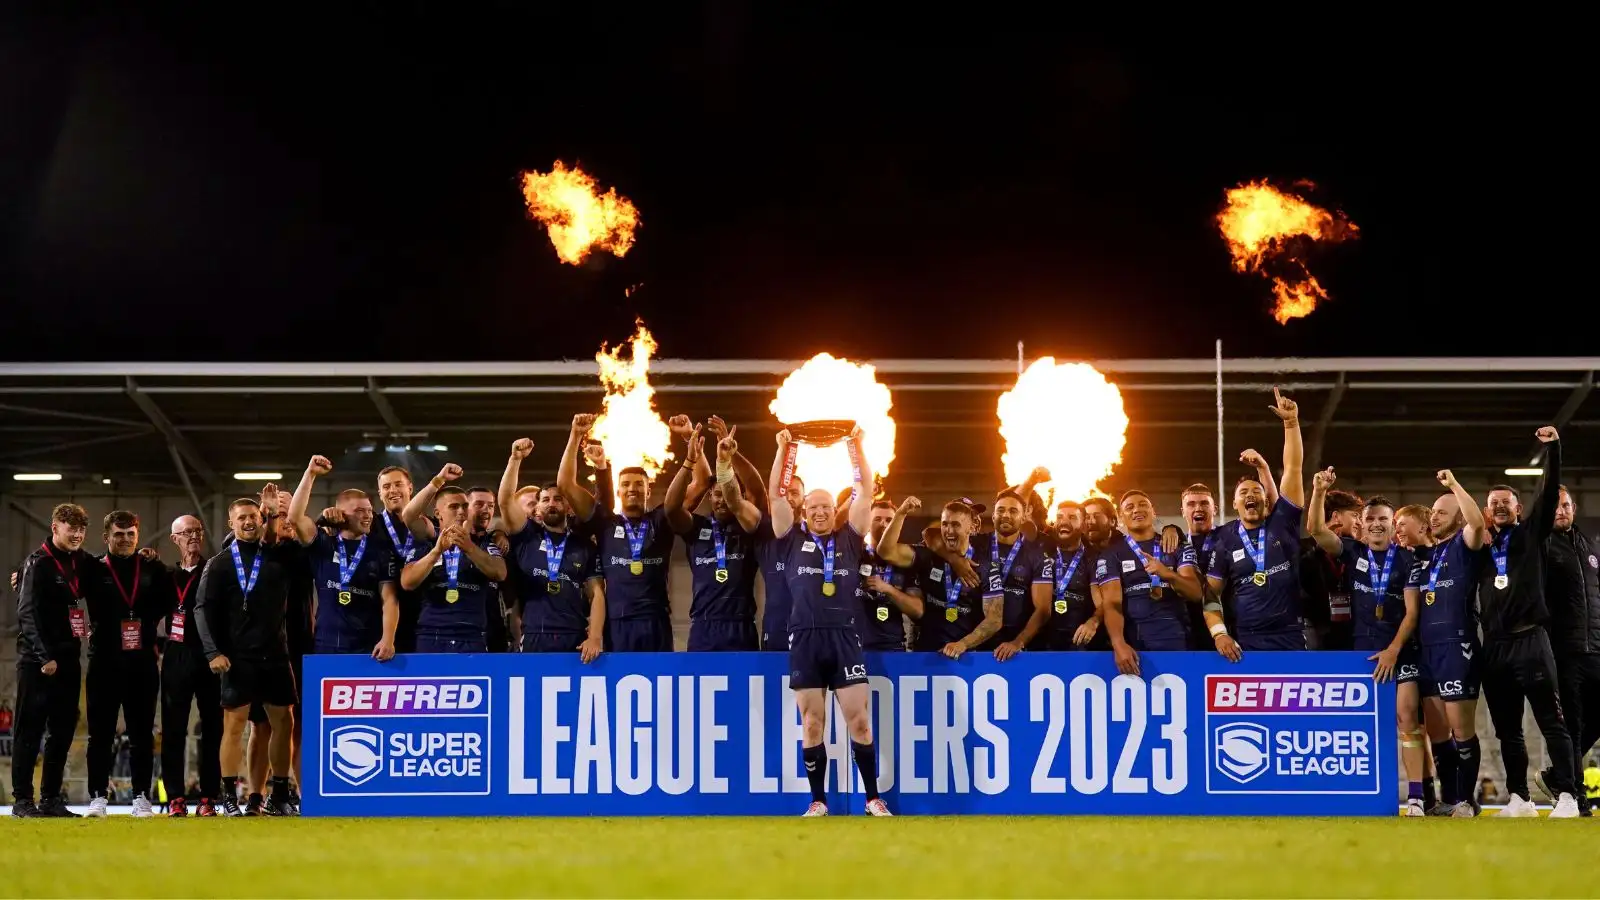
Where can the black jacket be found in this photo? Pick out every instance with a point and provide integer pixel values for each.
(1522, 603)
(46, 596)
(232, 625)
(108, 605)
(1572, 589)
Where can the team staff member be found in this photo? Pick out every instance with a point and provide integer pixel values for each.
(457, 580)
(1025, 573)
(559, 585)
(356, 600)
(1518, 663)
(244, 596)
(51, 622)
(721, 553)
(1142, 591)
(823, 568)
(958, 617)
(125, 606)
(886, 604)
(186, 679)
(635, 546)
(1572, 589)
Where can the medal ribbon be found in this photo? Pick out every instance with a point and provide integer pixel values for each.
(403, 549)
(1258, 552)
(553, 554)
(721, 545)
(952, 584)
(452, 568)
(994, 554)
(1438, 562)
(1063, 580)
(827, 558)
(636, 538)
(1379, 582)
(1498, 549)
(1155, 580)
(347, 570)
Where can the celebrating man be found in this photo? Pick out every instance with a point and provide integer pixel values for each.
(457, 580)
(559, 586)
(720, 549)
(962, 616)
(357, 603)
(1026, 575)
(1142, 592)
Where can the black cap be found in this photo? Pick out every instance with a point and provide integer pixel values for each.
(977, 508)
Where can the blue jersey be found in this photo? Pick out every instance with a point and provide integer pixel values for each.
(634, 556)
(775, 584)
(810, 565)
(464, 613)
(1018, 568)
(564, 611)
(1071, 576)
(1447, 577)
(1377, 613)
(881, 626)
(1149, 618)
(1259, 568)
(721, 547)
(951, 609)
(350, 612)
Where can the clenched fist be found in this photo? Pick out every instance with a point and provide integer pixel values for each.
(319, 466)
(521, 447)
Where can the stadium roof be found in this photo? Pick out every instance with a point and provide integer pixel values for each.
(134, 422)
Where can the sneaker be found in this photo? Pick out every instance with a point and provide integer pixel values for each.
(1566, 807)
(1463, 811)
(24, 808)
(1518, 808)
(97, 807)
(294, 801)
(1585, 811)
(230, 808)
(252, 806)
(815, 810)
(205, 808)
(1541, 779)
(142, 808)
(178, 808)
(1441, 809)
(876, 807)
(1414, 809)
(55, 808)
(278, 805)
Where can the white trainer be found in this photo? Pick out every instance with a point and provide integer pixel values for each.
(816, 809)
(1566, 808)
(1414, 809)
(1518, 808)
(97, 808)
(876, 807)
(1463, 810)
(142, 808)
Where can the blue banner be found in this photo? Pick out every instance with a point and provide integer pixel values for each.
(719, 734)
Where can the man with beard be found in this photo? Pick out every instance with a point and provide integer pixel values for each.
(1080, 536)
(886, 603)
(1572, 588)
(720, 549)
(1143, 592)
(559, 584)
(186, 680)
(1026, 576)
(356, 604)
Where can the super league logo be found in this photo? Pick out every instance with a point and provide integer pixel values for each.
(1241, 751)
(355, 753)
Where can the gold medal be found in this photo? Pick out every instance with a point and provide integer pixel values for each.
(1155, 592)
(722, 575)
(344, 598)
(553, 587)
(636, 567)
(950, 615)
(1061, 607)
(883, 614)
(1377, 612)
(452, 595)
(1431, 597)
(827, 589)
(1259, 578)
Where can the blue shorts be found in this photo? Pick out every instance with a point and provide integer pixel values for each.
(644, 635)
(436, 643)
(552, 642)
(1157, 642)
(1407, 669)
(346, 642)
(722, 635)
(825, 658)
(1271, 640)
(1450, 671)
(775, 636)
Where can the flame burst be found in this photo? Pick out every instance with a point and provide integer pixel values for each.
(1262, 225)
(1068, 418)
(629, 427)
(829, 388)
(577, 216)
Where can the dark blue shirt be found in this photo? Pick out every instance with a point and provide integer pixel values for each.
(1071, 571)
(631, 594)
(1376, 618)
(466, 616)
(1449, 608)
(1146, 618)
(775, 584)
(1030, 565)
(951, 609)
(804, 564)
(881, 626)
(567, 610)
(1275, 605)
(733, 596)
(350, 617)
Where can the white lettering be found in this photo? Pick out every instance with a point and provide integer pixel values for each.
(1090, 756)
(1169, 766)
(793, 734)
(1356, 694)
(633, 742)
(760, 781)
(594, 736)
(883, 732)
(949, 734)
(1226, 694)
(991, 766)
(711, 734)
(1127, 693)
(552, 734)
(1043, 688)
(340, 699)
(910, 734)
(518, 781)
(679, 778)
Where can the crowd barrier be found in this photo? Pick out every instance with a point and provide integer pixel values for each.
(718, 734)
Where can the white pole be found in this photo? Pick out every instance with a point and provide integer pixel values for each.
(1220, 489)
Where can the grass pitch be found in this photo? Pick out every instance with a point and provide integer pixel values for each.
(837, 857)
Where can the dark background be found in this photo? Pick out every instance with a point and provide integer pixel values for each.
(340, 181)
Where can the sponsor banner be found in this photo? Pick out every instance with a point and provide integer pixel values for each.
(719, 734)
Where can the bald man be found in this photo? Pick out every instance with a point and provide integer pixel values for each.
(187, 678)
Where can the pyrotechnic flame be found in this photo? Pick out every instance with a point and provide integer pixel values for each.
(577, 216)
(829, 388)
(1068, 418)
(1264, 227)
(629, 428)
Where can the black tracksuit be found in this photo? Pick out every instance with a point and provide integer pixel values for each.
(187, 679)
(127, 600)
(48, 593)
(1572, 589)
(1518, 663)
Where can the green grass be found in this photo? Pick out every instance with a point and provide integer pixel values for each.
(762, 857)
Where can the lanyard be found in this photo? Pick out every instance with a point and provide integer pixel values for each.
(1498, 551)
(71, 580)
(1205, 548)
(1155, 580)
(246, 585)
(138, 565)
(347, 570)
(636, 538)
(1379, 582)
(826, 546)
(452, 567)
(952, 584)
(1438, 562)
(721, 545)
(183, 592)
(1258, 552)
(1064, 580)
(994, 555)
(553, 554)
(404, 550)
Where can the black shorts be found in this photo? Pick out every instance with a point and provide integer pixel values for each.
(1452, 672)
(648, 634)
(722, 635)
(1288, 639)
(825, 658)
(248, 681)
(552, 642)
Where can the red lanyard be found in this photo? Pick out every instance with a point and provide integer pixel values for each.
(183, 592)
(72, 580)
(138, 564)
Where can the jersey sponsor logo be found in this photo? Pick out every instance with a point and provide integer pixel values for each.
(1238, 556)
(1292, 734)
(420, 736)
(855, 671)
(1128, 565)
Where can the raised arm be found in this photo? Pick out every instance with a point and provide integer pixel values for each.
(748, 514)
(305, 530)
(581, 501)
(493, 567)
(861, 505)
(1317, 517)
(1263, 474)
(698, 469)
(416, 571)
(678, 517)
(512, 515)
(782, 512)
(890, 550)
(1294, 452)
(415, 515)
(1475, 533)
(1543, 514)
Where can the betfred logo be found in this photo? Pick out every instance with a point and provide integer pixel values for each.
(404, 696)
(1288, 694)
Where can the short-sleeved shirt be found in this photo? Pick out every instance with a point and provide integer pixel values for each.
(1378, 614)
(565, 611)
(732, 596)
(806, 569)
(1071, 571)
(1273, 548)
(881, 625)
(1447, 577)
(636, 577)
(1164, 618)
(466, 616)
(355, 607)
(774, 582)
(951, 609)
(1029, 565)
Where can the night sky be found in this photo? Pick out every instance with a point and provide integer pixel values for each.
(308, 184)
